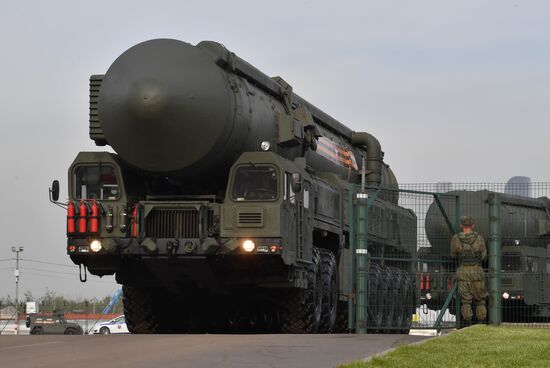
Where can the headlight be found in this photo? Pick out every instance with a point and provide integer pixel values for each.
(248, 245)
(95, 246)
(505, 295)
(429, 296)
(265, 146)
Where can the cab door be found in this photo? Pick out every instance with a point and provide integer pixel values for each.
(297, 222)
(305, 220)
(289, 220)
(58, 326)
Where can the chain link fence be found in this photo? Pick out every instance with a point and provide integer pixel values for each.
(415, 280)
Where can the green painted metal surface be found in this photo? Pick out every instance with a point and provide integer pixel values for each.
(364, 203)
(443, 212)
(362, 264)
(448, 300)
(495, 260)
(353, 270)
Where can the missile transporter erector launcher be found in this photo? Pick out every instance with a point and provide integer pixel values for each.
(226, 202)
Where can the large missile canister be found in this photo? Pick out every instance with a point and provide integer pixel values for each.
(524, 221)
(166, 106)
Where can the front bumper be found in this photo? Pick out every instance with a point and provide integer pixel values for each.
(172, 247)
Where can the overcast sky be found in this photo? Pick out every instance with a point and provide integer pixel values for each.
(440, 83)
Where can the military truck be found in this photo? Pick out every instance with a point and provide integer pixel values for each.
(52, 324)
(525, 283)
(226, 205)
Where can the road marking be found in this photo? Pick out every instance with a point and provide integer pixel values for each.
(24, 346)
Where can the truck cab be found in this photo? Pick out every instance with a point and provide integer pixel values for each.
(265, 213)
(525, 281)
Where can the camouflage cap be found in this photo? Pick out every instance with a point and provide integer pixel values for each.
(466, 221)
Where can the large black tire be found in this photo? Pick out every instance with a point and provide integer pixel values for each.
(409, 304)
(399, 300)
(375, 299)
(139, 311)
(341, 325)
(301, 309)
(37, 331)
(70, 331)
(104, 330)
(387, 300)
(329, 282)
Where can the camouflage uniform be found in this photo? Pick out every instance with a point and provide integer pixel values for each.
(471, 251)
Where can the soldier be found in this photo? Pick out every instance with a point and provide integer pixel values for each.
(469, 248)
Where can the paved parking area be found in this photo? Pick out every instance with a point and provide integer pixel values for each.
(193, 350)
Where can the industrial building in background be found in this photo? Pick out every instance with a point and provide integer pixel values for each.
(519, 185)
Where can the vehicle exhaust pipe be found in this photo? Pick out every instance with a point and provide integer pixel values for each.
(374, 156)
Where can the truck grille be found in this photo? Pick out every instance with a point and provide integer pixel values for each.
(175, 223)
(253, 219)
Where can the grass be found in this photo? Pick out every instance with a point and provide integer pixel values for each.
(477, 346)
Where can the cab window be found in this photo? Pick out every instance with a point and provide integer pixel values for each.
(96, 182)
(255, 183)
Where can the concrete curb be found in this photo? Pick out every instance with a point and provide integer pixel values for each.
(378, 355)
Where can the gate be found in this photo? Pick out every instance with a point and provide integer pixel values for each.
(399, 282)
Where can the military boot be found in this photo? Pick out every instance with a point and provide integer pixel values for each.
(481, 313)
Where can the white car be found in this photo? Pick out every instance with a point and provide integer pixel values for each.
(116, 325)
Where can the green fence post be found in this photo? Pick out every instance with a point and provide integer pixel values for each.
(362, 264)
(495, 259)
(353, 266)
(452, 292)
(458, 213)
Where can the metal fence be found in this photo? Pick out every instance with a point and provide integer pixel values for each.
(407, 275)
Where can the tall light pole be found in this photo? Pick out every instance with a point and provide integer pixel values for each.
(16, 250)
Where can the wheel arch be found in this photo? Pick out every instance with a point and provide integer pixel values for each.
(323, 239)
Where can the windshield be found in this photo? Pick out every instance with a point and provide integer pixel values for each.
(255, 183)
(96, 182)
(511, 262)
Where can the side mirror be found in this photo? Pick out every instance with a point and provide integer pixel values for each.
(296, 182)
(54, 191)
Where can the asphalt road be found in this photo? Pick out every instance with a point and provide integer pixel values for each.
(195, 351)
